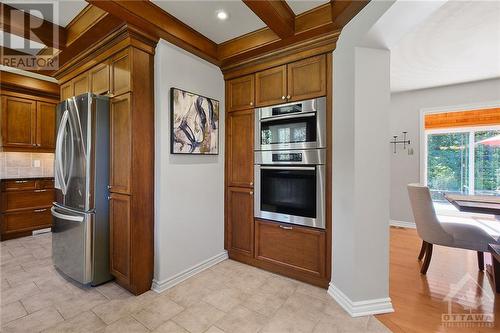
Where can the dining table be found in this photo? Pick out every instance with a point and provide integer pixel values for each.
(481, 204)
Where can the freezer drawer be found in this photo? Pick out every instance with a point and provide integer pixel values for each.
(72, 243)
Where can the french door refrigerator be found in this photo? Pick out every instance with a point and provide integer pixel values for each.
(80, 241)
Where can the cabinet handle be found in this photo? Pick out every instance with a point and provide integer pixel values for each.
(286, 228)
(40, 210)
(283, 97)
(109, 187)
(108, 197)
(288, 97)
(40, 190)
(21, 181)
(251, 192)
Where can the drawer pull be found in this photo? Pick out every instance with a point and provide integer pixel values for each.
(21, 181)
(286, 228)
(40, 191)
(40, 210)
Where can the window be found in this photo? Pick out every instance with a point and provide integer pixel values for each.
(462, 161)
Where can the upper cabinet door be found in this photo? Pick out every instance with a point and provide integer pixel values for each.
(307, 78)
(239, 127)
(18, 122)
(240, 93)
(99, 79)
(270, 86)
(45, 125)
(120, 143)
(66, 90)
(120, 73)
(81, 84)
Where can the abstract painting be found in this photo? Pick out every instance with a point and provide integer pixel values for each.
(194, 123)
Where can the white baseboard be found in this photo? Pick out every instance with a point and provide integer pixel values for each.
(163, 285)
(360, 308)
(402, 224)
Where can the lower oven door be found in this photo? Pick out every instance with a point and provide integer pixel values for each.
(291, 194)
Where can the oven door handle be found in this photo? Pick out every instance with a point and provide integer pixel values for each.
(288, 168)
(290, 116)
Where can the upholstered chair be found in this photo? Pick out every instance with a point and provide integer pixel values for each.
(464, 233)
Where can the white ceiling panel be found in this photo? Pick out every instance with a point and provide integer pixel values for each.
(202, 16)
(301, 6)
(458, 43)
(64, 10)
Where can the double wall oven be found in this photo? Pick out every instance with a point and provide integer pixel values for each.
(290, 158)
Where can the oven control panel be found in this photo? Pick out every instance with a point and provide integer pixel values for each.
(287, 157)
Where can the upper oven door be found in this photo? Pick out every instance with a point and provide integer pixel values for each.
(299, 125)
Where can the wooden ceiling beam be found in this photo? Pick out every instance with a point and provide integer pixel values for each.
(43, 31)
(152, 19)
(277, 15)
(318, 24)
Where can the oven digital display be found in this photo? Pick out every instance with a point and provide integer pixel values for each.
(279, 110)
(287, 157)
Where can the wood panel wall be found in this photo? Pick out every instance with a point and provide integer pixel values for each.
(470, 118)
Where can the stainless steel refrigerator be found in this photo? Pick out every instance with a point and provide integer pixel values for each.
(80, 241)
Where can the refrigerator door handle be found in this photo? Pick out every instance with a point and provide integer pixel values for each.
(59, 166)
(66, 217)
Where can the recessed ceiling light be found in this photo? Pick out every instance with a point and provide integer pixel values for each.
(221, 15)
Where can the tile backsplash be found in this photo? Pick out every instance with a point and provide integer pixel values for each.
(26, 165)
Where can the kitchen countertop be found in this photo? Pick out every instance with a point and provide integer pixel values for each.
(21, 178)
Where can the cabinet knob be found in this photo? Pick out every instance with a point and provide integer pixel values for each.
(251, 192)
(109, 187)
(251, 103)
(288, 97)
(251, 183)
(108, 197)
(283, 97)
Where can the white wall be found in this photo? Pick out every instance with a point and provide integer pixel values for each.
(405, 116)
(360, 260)
(189, 192)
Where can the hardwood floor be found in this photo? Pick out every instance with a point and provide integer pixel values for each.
(419, 301)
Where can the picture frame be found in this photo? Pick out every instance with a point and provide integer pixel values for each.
(194, 123)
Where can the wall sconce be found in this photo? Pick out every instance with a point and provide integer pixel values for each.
(404, 142)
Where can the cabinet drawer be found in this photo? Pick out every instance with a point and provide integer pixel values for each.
(298, 248)
(27, 199)
(45, 184)
(26, 220)
(20, 184)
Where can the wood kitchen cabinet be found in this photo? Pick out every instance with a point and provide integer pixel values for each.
(119, 209)
(299, 80)
(240, 221)
(46, 125)
(66, 91)
(81, 84)
(306, 78)
(294, 247)
(270, 86)
(120, 144)
(99, 79)
(240, 93)
(25, 206)
(120, 73)
(18, 122)
(239, 141)
(27, 124)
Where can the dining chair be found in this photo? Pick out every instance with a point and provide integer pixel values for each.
(464, 233)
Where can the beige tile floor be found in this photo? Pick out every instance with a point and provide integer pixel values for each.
(228, 297)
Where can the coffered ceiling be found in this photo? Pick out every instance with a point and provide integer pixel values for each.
(253, 28)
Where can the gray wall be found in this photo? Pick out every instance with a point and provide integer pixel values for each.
(189, 193)
(405, 116)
